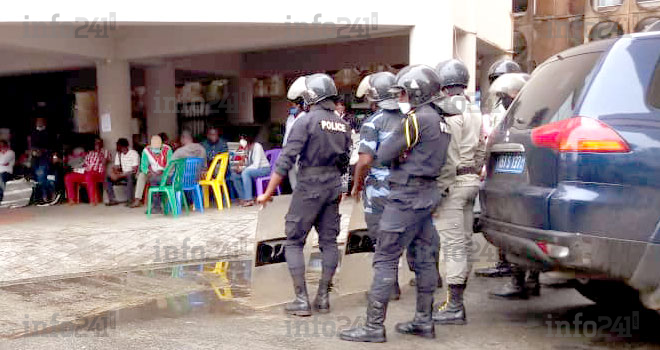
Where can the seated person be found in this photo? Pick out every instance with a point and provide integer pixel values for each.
(77, 159)
(125, 168)
(92, 172)
(154, 160)
(214, 144)
(189, 149)
(7, 159)
(253, 166)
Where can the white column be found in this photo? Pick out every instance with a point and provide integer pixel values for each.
(113, 82)
(431, 42)
(432, 37)
(466, 51)
(160, 100)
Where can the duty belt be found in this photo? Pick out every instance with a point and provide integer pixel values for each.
(317, 170)
(467, 170)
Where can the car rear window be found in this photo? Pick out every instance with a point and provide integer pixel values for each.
(654, 89)
(552, 92)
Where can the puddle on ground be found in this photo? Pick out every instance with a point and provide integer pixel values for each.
(100, 302)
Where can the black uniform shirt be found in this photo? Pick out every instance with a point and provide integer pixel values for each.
(426, 157)
(319, 137)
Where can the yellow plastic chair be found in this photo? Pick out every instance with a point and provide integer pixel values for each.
(217, 183)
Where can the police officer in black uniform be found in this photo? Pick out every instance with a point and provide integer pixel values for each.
(415, 154)
(322, 140)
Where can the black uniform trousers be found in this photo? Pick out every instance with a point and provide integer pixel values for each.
(407, 223)
(315, 203)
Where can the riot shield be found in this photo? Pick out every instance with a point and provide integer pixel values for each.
(271, 281)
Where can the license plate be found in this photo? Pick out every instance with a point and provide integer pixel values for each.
(510, 164)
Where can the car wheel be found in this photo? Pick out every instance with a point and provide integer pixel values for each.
(607, 292)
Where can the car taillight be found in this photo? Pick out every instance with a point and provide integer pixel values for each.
(579, 134)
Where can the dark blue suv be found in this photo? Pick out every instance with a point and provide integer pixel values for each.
(573, 171)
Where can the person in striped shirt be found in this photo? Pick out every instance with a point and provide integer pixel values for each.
(92, 173)
(154, 160)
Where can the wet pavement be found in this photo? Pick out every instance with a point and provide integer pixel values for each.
(189, 304)
(559, 319)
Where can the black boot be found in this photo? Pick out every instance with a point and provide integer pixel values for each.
(452, 311)
(373, 330)
(422, 323)
(514, 289)
(300, 305)
(322, 301)
(532, 284)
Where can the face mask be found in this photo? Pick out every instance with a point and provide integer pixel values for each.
(243, 143)
(155, 150)
(293, 111)
(41, 128)
(404, 107)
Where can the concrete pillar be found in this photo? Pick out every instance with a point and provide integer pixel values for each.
(160, 100)
(466, 51)
(431, 41)
(432, 37)
(113, 81)
(242, 96)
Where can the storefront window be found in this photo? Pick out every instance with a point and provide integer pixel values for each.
(648, 3)
(520, 6)
(606, 5)
(645, 22)
(605, 30)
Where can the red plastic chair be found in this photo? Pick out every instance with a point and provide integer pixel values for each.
(262, 182)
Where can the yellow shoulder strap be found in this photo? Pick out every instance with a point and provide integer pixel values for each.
(412, 130)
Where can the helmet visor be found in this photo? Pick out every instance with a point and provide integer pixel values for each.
(363, 88)
(509, 84)
(296, 89)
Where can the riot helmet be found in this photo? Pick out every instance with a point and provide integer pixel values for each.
(420, 82)
(507, 87)
(453, 73)
(313, 88)
(377, 88)
(501, 67)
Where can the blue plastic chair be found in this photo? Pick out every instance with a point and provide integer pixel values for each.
(191, 177)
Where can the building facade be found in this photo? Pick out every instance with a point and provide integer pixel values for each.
(546, 27)
(145, 72)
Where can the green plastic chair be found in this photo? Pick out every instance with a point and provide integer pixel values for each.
(176, 186)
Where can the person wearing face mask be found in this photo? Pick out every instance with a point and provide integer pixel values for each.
(459, 184)
(371, 176)
(296, 110)
(152, 163)
(322, 141)
(415, 154)
(254, 165)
